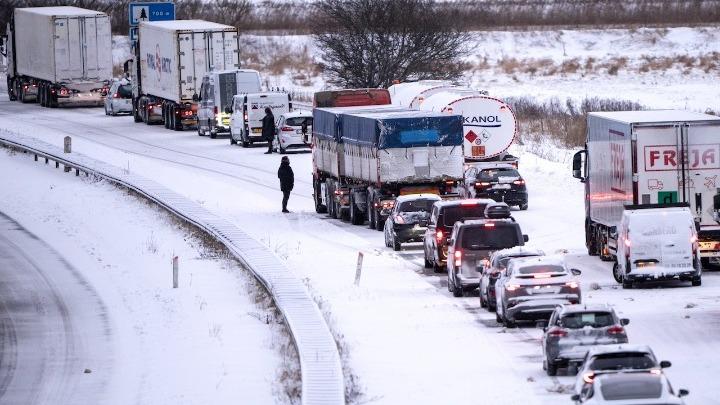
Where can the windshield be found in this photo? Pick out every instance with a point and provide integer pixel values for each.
(125, 91)
(541, 268)
(423, 205)
(494, 174)
(619, 361)
(503, 261)
(455, 213)
(580, 320)
(298, 121)
(481, 237)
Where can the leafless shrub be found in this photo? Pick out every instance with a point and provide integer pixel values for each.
(371, 43)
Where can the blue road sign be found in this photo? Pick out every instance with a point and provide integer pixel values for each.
(151, 12)
(133, 34)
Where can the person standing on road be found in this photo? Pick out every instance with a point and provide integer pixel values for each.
(287, 181)
(268, 129)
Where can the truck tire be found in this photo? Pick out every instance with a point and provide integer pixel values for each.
(592, 242)
(355, 215)
(329, 192)
(11, 89)
(697, 281)
(370, 211)
(320, 208)
(136, 112)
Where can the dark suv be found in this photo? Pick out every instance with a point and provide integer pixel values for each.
(442, 219)
(470, 245)
(501, 183)
(409, 219)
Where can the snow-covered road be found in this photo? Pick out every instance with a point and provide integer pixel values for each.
(48, 315)
(405, 338)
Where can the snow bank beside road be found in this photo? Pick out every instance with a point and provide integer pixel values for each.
(206, 342)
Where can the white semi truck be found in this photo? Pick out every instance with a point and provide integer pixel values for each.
(58, 56)
(649, 158)
(171, 58)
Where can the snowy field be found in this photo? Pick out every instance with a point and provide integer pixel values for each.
(403, 337)
(142, 341)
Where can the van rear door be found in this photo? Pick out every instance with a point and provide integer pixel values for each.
(660, 240)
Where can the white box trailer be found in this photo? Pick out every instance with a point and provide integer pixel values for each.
(412, 94)
(59, 55)
(649, 157)
(174, 56)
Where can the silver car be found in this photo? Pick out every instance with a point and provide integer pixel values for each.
(573, 329)
(119, 98)
(294, 131)
(496, 265)
(631, 388)
(530, 289)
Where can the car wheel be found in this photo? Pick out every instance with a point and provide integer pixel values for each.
(437, 268)
(508, 323)
(491, 307)
(379, 223)
(697, 281)
(523, 207)
(428, 263)
(616, 273)
(551, 368)
(457, 290)
(245, 144)
(213, 134)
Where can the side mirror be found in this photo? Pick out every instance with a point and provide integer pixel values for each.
(228, 110)
(575, 397)
(577, 165)
(575, 272)
(545, 328)
(526, 238)
(196, 98)
(683, 392)
(451, 241)
(624, 321)
(665, 364)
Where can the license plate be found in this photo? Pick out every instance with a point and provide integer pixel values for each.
(256, 130)
(708, 245)
(539, 289)
(501, 187)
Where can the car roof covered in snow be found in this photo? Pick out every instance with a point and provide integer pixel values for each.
(653, 116)
(411, 197)
(539, 260)
(297, 113)
(518, 251)
(576, 308)
(466, 201)
(625, 347)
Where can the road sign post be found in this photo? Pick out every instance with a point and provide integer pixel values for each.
(148, 11)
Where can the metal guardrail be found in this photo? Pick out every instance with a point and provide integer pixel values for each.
(321, 370)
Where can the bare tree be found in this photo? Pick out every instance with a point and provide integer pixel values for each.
(370, 43)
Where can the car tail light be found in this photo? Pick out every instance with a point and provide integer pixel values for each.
(439, 235)
(246, 116)
(615, 330)
(468, 202)
(399, 219)
(387, 204)
(450, 182)
(489, 225)
(25, 87)
(572, 284)
(557, 332)
(482, 184)
(187, 113)
(589, 377)
(519, 182)
(286, 129)
(656, 371)
(513, 287)
(116, 95)
(458, 258)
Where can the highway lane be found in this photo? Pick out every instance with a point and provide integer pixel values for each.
(53, 327)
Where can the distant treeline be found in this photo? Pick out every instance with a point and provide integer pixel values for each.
(295, 16)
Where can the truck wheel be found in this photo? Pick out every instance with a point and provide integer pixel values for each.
(437, 268)
(136, 112)
(11, 89)
(245, 143)
(592, 241)
(354, 214)
(523, 207)
(379, 222)
(396, 245)
(697, 281)
(320, 208)
(232, 140)
(551, 369)
(213, 134)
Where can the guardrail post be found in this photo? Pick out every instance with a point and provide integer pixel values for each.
(67, 149)
(36, 157)
(46, 160)
(175, 271)
(358, 269)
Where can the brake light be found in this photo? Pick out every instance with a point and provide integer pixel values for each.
(557, 332)
(627, 242)
(25, 87)
(572, 284)
(458, 258)
(512, 287)
(439, 235)
(399, 219)
(519, 182)
(116, 95)
(387, 204)
(246, 116)
(468, 202)
(482, 184)
(615, 330)
(489, 225)
(63, 92)
(286, 129)
(187, 113)
(589, 377)
(450, 182)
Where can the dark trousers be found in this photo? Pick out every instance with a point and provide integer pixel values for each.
(270, 148)
(286, 197)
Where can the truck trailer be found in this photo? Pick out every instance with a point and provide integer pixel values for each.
(365, 157)
(171, 58)
(58, 56)
(649, 158)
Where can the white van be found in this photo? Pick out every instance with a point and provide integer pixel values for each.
(216, 95)
(248, 111)
(657, 242)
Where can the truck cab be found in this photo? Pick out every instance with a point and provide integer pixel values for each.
(657, 242)
(216, 97)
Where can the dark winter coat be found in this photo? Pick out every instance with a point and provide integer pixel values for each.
(286, 176)
(268, 127)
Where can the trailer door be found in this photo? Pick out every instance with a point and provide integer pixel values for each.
(98, 56)
(223, 50)
(701, 168)
(193, 63)
(68, 49)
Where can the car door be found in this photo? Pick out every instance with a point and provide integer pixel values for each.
(430, 232)
(500, 287)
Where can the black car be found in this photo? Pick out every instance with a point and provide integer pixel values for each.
(502, 183)
(408, 219)
(442, 219)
